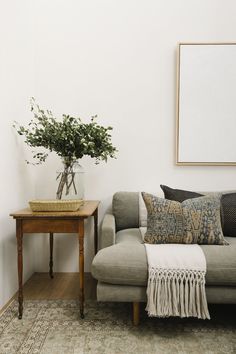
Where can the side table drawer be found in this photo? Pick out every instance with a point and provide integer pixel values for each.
(50, 225)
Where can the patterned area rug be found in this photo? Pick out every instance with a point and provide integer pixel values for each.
(54, 327)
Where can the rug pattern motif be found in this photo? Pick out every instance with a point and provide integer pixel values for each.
(54, 327)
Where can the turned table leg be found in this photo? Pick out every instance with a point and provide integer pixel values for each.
(95, 215)
(81, 267)
(19, 237)
(51, 255)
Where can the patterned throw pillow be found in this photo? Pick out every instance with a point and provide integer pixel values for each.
(228, 206)
(164, 220)
(202, 223)
(192, 221)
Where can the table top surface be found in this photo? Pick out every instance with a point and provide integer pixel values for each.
(86, 210)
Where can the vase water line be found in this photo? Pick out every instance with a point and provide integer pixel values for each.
(70, 180)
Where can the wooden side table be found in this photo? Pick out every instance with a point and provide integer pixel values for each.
(55, 222)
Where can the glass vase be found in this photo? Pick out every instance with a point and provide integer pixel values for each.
(70, 180)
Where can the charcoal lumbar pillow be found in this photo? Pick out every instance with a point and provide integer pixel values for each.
(228, 210)
(178, 195)
(228, 206)
(192, 221)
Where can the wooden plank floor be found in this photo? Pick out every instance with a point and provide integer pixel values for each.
(62, 286)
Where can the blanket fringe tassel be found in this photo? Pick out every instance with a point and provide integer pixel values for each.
(177, 293)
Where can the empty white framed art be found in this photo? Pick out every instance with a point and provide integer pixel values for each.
(206, 104)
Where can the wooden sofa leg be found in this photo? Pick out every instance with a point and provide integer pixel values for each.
(136, 313)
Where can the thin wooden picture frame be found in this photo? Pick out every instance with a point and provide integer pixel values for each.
(178, 160)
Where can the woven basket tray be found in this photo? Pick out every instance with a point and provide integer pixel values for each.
(55, 205)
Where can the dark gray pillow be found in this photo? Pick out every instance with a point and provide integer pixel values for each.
(228, 206)
(179, 195)
(228, 210)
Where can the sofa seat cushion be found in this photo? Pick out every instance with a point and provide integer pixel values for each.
(126, 261)
(221, 263)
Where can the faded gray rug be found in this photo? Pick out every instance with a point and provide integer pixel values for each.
(54, 327)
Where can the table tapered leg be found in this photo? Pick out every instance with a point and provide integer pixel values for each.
(51, 255)
(81, 267)
(19, 237)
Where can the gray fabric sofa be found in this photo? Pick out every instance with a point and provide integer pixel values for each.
(121, 267)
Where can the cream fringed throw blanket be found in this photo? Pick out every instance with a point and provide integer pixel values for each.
(176, 281)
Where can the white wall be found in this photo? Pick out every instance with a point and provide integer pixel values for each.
(116, 59)
(16, 180)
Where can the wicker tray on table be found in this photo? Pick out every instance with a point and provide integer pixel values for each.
(55, 205)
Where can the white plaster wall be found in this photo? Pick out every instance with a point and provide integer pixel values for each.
(117, 59)
(113, 58)
(16, 180)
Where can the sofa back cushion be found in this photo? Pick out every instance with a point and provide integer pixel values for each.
(125, 208)
(130, 211)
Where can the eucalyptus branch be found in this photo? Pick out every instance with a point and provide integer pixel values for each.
(69, 138)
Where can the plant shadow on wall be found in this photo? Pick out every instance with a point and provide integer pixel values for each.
(70, 139)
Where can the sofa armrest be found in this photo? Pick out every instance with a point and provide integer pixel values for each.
(108, 231)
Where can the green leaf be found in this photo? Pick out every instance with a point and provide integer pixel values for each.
(68, 137)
